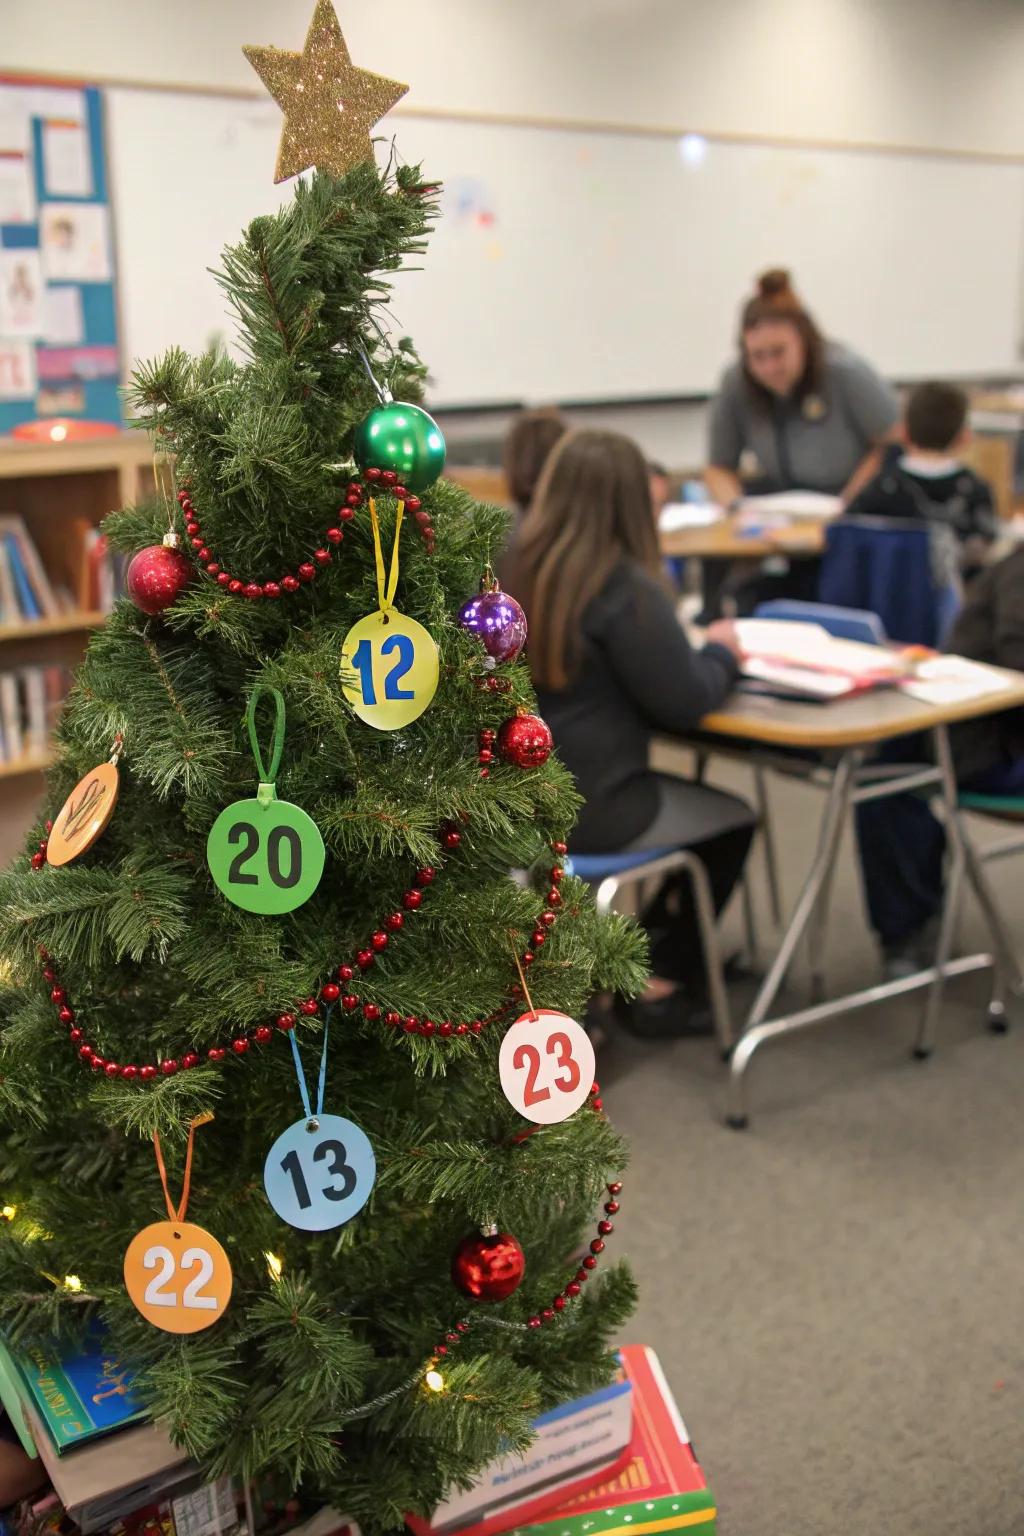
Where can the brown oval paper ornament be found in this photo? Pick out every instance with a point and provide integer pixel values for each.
(84, 814)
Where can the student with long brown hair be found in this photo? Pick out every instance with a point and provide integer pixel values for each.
(612, 668)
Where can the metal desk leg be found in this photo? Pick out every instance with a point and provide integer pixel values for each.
(925, 1042)
(832, 820)
(817, 936)
(768, 843)
(1007, 966)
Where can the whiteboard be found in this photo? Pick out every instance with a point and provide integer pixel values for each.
(585, 266)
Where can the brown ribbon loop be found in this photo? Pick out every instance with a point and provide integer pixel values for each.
(178, 1214)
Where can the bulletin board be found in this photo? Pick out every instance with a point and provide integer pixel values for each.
(59, 353)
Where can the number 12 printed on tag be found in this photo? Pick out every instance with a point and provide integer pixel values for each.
(389, 669)
(546, 1065)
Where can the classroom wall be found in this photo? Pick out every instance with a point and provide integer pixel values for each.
(939, 73)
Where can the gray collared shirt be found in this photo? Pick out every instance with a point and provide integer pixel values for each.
(814, 446)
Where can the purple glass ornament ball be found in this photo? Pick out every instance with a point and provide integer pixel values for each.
(498, 622)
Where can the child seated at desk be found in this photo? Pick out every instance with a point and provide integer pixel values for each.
(901, 843)
(926, 478)
(612, 666)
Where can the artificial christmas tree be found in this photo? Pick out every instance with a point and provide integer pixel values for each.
(262, 969)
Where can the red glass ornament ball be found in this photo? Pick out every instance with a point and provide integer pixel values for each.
(526, 741)
(156, 577)
(488, 1268)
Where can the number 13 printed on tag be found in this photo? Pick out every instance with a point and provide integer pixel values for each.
(546, 1066)
(319, 1173)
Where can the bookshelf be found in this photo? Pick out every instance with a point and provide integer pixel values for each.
(58, 489)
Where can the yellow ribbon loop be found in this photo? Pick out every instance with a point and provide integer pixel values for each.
(386, 586)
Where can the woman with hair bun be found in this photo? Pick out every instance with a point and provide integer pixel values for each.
(812, 413)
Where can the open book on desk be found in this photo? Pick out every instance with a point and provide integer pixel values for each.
(803, 661)
(789, 506)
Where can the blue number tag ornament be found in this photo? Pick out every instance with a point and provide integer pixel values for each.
(266, 855)
(320, 1172)
(389, 664)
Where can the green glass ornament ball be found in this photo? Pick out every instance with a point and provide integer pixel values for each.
(403, 438)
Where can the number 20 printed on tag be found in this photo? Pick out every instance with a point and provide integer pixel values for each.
(546, 1065)
(178, 1276)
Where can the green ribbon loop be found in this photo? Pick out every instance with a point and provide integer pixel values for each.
(267, 775)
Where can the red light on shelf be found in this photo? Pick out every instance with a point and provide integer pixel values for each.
(62, 429)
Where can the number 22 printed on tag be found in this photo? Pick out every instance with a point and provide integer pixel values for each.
(546, 1066)
(178, 1276)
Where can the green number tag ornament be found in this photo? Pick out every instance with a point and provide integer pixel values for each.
(389, 666)
(266, 855)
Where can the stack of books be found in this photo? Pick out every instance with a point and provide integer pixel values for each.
(112, 1470)
(617, 1461)
(795, 660)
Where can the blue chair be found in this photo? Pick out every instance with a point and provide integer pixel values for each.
(613, 872)
(888, 567)
(843, 623)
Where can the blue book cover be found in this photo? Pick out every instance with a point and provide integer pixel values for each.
(26, 597)
(79, 1394)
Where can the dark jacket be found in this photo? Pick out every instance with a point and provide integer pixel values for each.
(639, 675)
(959, 499)
(990, 628)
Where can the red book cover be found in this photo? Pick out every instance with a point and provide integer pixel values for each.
(657, 1484)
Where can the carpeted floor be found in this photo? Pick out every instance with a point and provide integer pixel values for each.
(836, 1294)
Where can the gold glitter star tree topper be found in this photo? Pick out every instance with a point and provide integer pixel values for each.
(329, 105)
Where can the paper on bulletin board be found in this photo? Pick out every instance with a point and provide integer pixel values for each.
(63, 321)
(21, 293)
(76, 242)
(17, 370)
(17, 190)
(67, 160)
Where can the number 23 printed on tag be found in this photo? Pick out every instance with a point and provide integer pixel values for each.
(546, 1066)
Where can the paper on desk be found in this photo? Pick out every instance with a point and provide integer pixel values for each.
(676, 515)
(809, 645)
(792, 504)
(953, 680)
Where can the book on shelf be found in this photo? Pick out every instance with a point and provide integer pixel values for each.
(26, 593)
(101, 572)
(30, 701)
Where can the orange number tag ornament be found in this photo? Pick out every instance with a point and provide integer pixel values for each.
(85, 813)
(177, 1274)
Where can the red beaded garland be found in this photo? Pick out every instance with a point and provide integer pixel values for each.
(291, 581)
(423, 877)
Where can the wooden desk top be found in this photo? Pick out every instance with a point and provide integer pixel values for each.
(866, 718)
(723, 541)
(1000, 402)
